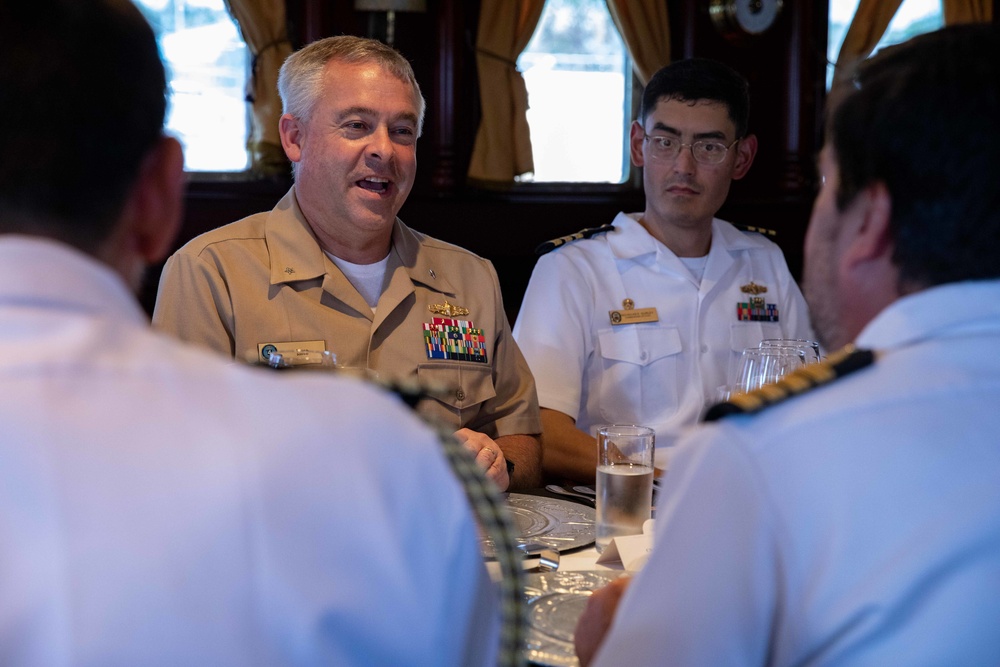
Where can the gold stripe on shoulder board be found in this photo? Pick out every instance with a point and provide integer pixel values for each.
(549, 246)
(837, 365)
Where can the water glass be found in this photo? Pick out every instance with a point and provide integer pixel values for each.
(763, 365)
(624, 480)
(808, 349)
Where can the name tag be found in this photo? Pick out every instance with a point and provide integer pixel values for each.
(633, 316)
(290, 349)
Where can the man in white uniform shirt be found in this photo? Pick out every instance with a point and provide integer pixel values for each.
(857, 522)
(641, 324)
(159, 505)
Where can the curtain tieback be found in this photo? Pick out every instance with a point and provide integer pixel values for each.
(497, 56)
(251, 82)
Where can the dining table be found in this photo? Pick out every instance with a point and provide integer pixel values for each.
(556, 531)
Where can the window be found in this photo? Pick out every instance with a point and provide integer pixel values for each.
(579, 77)
(207, 65)
(914, 17)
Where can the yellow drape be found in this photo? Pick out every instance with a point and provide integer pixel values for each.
(503, 142)
(263, 25)
(967, 11)
(863, 35)
(645, 28)
(873, 17)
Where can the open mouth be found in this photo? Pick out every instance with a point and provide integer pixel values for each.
(374, 184)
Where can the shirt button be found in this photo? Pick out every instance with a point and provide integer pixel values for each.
(643, 355)
(460, 395)
(704, 348)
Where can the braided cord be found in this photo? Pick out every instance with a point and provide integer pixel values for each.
(490, 508)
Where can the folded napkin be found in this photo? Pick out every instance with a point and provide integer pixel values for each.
(632, 551)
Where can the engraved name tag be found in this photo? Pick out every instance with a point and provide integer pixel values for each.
(290, 349)
(633, 316)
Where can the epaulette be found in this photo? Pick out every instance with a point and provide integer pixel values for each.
(837, 365)
(549, 246)
(758, 230)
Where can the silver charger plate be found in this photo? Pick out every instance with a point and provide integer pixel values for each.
(555, 602)
(551, 523)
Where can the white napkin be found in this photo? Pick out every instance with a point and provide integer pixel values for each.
(632, 551)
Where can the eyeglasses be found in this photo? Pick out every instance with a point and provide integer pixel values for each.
(705, 152)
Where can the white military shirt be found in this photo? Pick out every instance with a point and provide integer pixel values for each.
(857, 524)
(659, 373)
(162, 506)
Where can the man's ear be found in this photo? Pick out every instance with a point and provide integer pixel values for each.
(151, 217)
(291, 132)
(637, 134)
(871, 238)
(156, 205)
(746, 149)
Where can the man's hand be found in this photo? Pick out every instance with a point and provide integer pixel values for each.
(489, 456)
(596, 619)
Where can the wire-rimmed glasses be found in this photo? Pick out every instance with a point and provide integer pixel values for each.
(705, 151)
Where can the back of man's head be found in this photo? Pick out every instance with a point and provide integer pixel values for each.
(696, 79)
(82, 101)
(922, 119)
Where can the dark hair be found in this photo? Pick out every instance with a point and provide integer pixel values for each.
(82, 101)
(696, 79)
(922, 119)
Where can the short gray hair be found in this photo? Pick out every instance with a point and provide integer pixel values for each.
(299, 81)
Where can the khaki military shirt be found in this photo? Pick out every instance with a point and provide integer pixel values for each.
(265, 281)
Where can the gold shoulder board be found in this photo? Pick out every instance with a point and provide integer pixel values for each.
(758, 230)
(837, 365)
(548, 246)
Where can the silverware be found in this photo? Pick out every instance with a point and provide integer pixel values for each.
(555, 488)
(548, 561)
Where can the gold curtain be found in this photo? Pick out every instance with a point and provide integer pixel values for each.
(645, 28)
(503, 142)
(863, 35)
(262, 23)
(967, 11)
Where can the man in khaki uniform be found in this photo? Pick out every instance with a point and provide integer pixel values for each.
(331, 267)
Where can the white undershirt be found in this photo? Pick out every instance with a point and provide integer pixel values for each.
(366, 278)
(696, 265)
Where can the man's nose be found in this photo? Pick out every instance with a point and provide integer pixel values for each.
(380, 143)
(685, 162)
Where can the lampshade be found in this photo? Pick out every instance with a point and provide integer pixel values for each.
(391, 5)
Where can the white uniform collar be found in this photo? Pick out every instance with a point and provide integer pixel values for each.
(45, 273)
(943, 310)
(630, 239)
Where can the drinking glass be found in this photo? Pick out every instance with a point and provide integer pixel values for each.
(809, 349)
(624, 480)
(763, 365)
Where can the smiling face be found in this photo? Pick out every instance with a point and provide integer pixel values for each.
(682, 192)
(355, 158)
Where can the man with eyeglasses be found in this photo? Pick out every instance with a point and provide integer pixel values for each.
(638, 321)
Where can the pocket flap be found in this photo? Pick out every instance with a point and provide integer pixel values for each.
(457, 384)
(638, 344)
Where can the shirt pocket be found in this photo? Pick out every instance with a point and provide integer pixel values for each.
(459, 386)
(639, 377)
